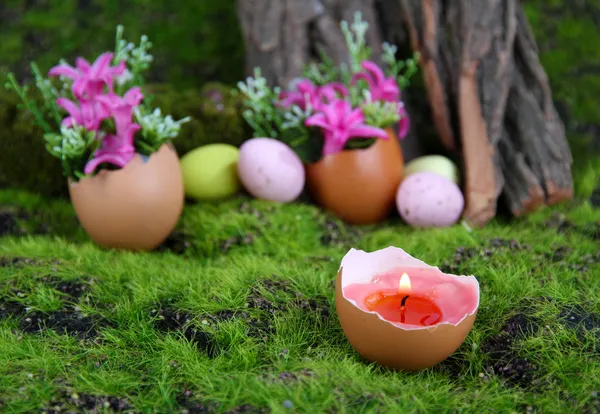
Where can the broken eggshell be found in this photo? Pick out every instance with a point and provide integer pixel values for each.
(394, 344)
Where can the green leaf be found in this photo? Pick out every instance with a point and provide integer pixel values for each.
(307, 144)
(359, 143)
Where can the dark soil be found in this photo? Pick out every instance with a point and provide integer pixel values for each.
(503, 356)
(11, 220)
(178, 242)
(462, 254)
(338, 234)
(173, 320)
(24, 261)
(240, 240)
(595, 198)
(69, 320)
(10, 308)
(259, 313)
(365, 402)
(287, 377)
(191, 404)
(563, 255)
(247, 409)
(453, 366)
(261, 324)
(8, 223)
(248, 237)
(246, 208)
(458, 264)
(68, 401)
(561, 224)
(72, 289)
(592, 406)
(581, 321)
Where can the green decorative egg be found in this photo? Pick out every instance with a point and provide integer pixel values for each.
(210, 172)
(437, 164)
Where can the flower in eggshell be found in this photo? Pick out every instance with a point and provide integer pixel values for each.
(89, 80)
(306, 93)
(118, 148)
(383, 89)
(340, 123)
(106, 121)
(359, 93)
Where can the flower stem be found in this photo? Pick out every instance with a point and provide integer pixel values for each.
(29, 105)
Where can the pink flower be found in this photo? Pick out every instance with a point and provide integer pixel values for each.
(89, 80)
(404, 123)
(341, 123)
(88, 114)
(118, 149)
(384, 89)
(121, 109)
(308, 93)
(119, 157)
(381, 88)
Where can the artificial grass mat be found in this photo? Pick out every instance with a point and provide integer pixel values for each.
(235, 313)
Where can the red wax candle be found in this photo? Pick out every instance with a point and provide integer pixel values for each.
(405, 308)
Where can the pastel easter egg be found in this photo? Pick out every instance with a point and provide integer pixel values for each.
(270, 170)
(427, 199)
(210, 172)
(433, 163)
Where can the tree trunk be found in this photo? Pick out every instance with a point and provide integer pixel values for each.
(489, 96)
(484, 70)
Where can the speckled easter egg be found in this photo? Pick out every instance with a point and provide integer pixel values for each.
(270, 170)
(210, 172)
(428, 199)
(433, 163)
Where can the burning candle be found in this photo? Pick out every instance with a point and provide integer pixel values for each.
(401, 312)
(401, 305)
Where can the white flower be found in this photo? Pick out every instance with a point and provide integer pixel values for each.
(161, 127)
(293, 83)
(124, 77)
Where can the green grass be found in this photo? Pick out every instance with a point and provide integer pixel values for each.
(243, 318)
(255, 297)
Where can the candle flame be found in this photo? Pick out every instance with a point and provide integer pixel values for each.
(404, 283)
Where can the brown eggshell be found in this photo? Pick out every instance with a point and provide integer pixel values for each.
(134, 208)
(359, 185)
(390, 345)
(393, 347)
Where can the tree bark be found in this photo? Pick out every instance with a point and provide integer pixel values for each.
(489, 95)
(512, 139)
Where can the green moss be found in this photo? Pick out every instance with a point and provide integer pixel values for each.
(202, 43)
(25, 163)
(215, 112)
(269, 351)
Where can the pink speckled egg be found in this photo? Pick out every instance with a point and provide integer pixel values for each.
(270, 170)
(427, 199)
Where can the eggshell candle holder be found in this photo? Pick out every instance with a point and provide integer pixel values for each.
(449, 303)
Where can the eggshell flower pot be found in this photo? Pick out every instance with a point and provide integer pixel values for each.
(359, 186)
(133, 208)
